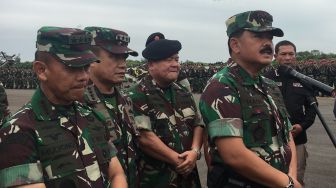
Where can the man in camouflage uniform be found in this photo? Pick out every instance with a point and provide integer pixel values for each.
(55, 141)
(102, 94)
(168, 121)
(4, 111)
(246, 119)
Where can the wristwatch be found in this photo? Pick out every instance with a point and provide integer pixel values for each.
(291, 182)
(198, 152)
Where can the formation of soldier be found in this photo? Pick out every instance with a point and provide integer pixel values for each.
(18, 78)
(197, 73)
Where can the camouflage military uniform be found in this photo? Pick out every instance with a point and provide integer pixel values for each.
(4, 111)
(171, 115)
(118, 112)
(116, 107)
(60, 146)
(64, 145)
(234, 104)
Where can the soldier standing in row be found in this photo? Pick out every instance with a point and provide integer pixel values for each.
(168, 121)
(4, 111)
(102, 94)
(55, 141)
(246, 118)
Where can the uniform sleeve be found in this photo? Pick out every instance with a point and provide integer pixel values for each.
(198, 118)
(221, 112)
(113, 150)
(140, 109)
(19, 164)
(310, 114)
(289, 124)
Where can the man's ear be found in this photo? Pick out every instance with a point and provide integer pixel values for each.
(275, 55)
(93, 65)
(150, 65)
(40, 69)
(234, 44)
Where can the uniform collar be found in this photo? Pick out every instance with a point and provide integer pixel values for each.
(46, 111)
(244, 76)
(173, 85)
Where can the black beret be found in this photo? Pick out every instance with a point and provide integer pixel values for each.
(161, 49)
(154, 36)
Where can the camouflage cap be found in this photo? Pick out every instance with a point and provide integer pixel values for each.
(112, 40)
(255, 21)
(69, 45)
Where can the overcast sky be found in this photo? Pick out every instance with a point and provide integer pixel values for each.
(198, 24)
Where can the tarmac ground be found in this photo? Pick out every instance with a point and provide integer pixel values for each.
(321, 165)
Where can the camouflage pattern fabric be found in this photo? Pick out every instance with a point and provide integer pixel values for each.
(4, 111)
(61, 146)
(112, 40)
(123, 130)
(234, 104)
(172, 119)
(255, 21)
(70, 46)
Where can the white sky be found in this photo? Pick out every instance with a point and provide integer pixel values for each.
(198, 24)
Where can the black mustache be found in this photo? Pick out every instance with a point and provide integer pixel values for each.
(266, 49)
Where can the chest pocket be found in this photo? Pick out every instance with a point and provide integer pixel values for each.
(257, 130)
(57, 148)
(99, 135)
(162, 130)
(301, 90)
(257, 127)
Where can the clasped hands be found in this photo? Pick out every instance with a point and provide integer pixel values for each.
(186, 162)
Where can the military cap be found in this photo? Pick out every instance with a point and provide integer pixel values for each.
(71, 46)
(161, 49)
(153, 37)
(112, 40)
(255, 21)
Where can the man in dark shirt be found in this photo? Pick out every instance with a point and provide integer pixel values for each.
(297, 99)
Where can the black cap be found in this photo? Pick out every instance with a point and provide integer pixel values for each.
(153, 37)
(161, 49)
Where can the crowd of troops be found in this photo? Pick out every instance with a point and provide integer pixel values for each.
(197, 73)
(18, 78)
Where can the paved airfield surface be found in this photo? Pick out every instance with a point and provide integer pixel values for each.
(321, 167)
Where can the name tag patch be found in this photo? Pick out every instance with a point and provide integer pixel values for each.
(296, 84)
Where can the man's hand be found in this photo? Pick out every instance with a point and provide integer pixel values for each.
(189, 163)
(297, 129)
